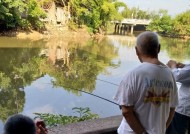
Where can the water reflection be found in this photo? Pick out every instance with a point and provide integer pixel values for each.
(176, 49)
(75, 65)
(36, 75)
(72, 65)
(123, 40)
(18, 69)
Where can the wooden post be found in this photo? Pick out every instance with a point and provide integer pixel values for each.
(127, 29)
(132, 29)
(121, 29)
(118, 27)
(124, 29)
(115, 30)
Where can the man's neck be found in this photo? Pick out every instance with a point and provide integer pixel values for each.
(152, 60)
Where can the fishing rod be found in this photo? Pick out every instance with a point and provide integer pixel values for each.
(95, 94)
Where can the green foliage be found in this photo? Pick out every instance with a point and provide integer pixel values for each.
(96, 14)
(35, 12)
(137, 13)
(178, 26)
(10, 13)
(52, 119)
(72, 26)
(182, 23)
(162, 23)
(20, 13)
(4, 81)
(126, 13)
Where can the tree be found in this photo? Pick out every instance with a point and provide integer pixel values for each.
(161, 23)
(19, 13)
(182, 23)
(126, 13)
(96, 14)
(10, 13)
(137, 13)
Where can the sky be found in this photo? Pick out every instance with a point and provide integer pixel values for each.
(174, 7)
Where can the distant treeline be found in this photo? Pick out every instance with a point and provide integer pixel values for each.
(162, 22)
(179, 26)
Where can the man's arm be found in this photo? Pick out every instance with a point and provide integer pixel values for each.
(171, 114)
(181, 75)
(132, 120)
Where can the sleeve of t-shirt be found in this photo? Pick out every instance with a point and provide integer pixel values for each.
(125, 94)
(182, 75)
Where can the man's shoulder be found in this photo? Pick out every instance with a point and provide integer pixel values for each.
(145, 68)
(139, 68)
(135, 71)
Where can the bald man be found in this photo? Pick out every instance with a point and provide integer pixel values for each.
(148, 93)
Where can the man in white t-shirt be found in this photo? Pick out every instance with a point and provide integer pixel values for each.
(147, 94)
(181, 121)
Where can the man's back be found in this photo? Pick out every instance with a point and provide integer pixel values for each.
(150, 89)
(156, 89)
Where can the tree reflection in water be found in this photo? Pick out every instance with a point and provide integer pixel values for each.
(77, 65)
(177, 49)
(18, 68)
(72, 65)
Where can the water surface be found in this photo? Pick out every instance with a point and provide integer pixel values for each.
(47, 76)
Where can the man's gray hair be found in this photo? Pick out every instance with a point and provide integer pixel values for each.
(148, 43)
(19, 124)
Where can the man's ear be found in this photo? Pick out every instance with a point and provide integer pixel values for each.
(159, 48)
(137, 52)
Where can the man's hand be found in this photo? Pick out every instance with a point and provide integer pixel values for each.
(41, 127)
(180, 65)
(172, 64)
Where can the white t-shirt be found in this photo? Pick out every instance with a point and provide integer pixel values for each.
(152, 90)
(183, 76)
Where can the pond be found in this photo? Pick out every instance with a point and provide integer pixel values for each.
(56, 75)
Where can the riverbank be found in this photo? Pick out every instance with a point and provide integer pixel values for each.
(185, 37)
(51, 31)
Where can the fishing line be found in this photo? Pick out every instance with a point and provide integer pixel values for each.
(108, 82)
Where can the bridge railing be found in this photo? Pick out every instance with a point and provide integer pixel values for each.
(134, 21)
